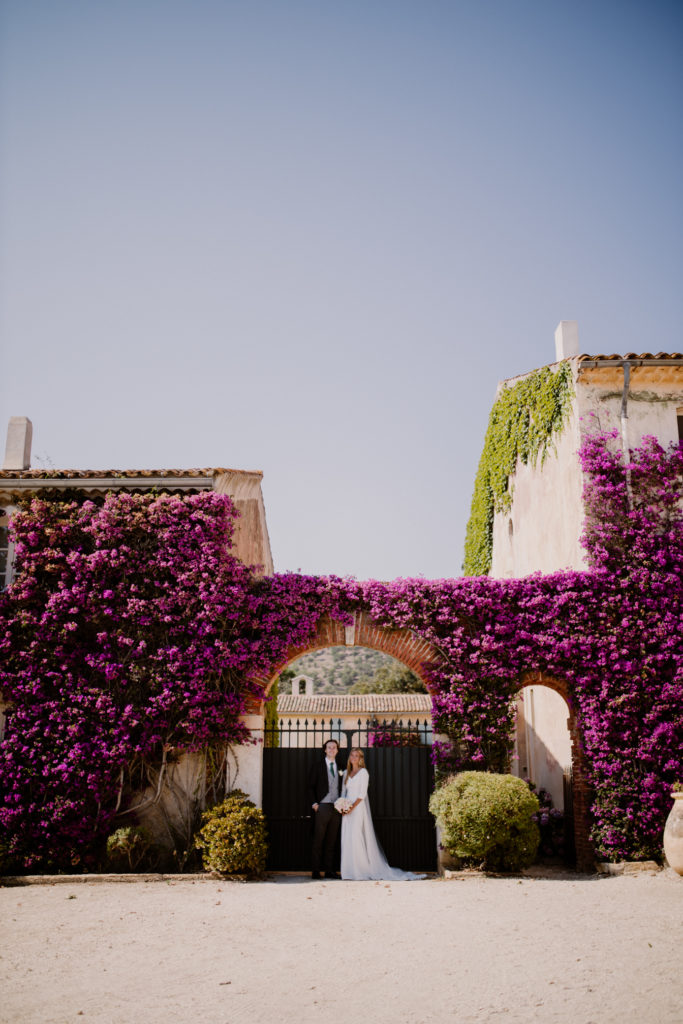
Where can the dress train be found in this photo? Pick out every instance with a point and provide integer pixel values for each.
(362, 858)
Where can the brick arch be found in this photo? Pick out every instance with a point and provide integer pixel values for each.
(407, 647)
(585, 854)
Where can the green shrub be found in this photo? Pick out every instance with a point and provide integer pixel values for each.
(486, 820)
(233, 839)
(8, 865)
(128, 847)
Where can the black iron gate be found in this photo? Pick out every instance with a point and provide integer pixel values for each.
(401, 780)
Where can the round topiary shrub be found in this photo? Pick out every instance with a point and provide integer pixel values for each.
(486, 820)
(233, 839)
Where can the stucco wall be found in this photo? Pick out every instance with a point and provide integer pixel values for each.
(169, 817)
(651, 406)
(249, 761)
(251, 540)
(543, 527)
(543, 748)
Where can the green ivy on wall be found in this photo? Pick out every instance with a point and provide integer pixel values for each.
(523, 422)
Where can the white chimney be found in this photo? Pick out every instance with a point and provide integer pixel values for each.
(566, 340)
(18, 447)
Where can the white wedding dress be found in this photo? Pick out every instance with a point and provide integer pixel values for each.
(362, 857)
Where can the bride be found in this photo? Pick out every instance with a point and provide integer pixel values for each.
(361, 855)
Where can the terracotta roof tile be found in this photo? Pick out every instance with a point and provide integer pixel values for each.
(123, 474)
(355, 703)
(674, 357)
(634, 355)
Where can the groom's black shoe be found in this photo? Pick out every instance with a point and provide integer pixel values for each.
(315, 874)
(332, 875)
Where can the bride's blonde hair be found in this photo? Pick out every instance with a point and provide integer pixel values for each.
(361, 760)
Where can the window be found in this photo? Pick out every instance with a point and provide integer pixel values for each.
(4, 547)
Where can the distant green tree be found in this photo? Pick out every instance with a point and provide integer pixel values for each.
(283, 684)
(285, 680)
(271, 736)
(393, 678)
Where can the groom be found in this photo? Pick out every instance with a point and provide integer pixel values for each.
(325, 788)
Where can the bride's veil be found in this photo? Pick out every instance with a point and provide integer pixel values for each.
(376, 857)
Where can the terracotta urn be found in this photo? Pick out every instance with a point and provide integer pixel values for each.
(673, 834)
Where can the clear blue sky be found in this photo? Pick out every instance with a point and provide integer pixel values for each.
(310, 237)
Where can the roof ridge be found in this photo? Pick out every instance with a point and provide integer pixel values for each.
(355, 701)
(87, 474)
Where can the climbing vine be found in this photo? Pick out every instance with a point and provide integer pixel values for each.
(523, 422)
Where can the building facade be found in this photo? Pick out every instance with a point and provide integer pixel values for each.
(251, 545)
(350, 718)
(634, 395)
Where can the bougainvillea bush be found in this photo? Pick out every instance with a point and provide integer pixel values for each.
(389, 735)
(631, 697)
(131, 630)
(115, 646)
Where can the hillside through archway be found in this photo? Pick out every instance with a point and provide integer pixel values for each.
(405, 646)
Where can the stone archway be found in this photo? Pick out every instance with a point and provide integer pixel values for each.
(585, 855)
(404, 645)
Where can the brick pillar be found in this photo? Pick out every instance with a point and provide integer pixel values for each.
(585, 854)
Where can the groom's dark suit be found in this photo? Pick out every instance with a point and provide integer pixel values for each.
(318, 780)
(326, 819)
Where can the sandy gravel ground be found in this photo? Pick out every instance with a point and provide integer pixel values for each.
(569, 949)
